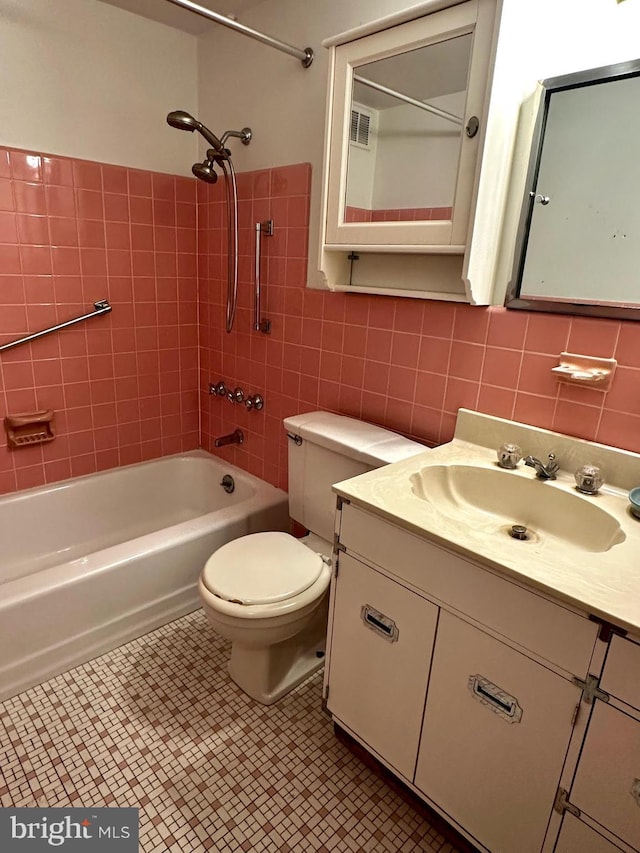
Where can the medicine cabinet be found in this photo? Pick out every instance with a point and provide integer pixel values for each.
(580, 222)
(404, 139)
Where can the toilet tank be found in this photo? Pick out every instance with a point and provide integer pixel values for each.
(324, 449)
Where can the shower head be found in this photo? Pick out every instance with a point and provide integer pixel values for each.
(182, 120)
(204, 171)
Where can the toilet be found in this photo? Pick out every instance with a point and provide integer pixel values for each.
(269, 592)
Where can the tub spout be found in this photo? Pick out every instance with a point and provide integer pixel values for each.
(235, 437)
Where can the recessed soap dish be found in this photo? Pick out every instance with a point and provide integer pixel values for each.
(29, 428)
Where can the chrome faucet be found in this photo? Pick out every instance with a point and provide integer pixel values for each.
(543, 472)
(235, 437)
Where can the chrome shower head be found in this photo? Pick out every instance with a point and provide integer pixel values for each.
(182, 120)
(204, 171)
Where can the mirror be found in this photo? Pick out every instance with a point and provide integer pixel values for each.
(578, 246)
(404, 134)
(407, 116)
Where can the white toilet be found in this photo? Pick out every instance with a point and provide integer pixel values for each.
(269, 592)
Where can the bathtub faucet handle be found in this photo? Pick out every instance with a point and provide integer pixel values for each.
(218, 389)
(256, 401)
(235, 396)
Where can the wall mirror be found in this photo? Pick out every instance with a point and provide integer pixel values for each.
(405, 127)
(578, 248)
(406, 116)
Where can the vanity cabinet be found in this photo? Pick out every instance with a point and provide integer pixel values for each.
(381, 651)
(577, 837)
(474, 704)
(496, 729)
(606, 787)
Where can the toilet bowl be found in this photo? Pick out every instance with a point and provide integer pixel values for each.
(268, 594)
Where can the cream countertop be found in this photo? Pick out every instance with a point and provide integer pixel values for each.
(604, 583)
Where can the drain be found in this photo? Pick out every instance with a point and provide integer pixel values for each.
(228, 483)
(519, 531)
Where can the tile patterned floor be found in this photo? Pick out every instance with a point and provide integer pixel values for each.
(158, 724)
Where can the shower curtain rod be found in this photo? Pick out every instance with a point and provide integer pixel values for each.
(407, 99)
(304, 55)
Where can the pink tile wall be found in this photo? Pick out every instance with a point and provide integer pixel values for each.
(405, 214)
(127, 387)
(404, 363)
(124, 385)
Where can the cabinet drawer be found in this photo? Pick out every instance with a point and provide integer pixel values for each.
(381, 644)
(495, 734)
(621, 676)
(607, 783)
(577, 837)
(547, 629)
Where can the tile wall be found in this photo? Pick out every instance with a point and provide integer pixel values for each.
(405, 214)
(407, 364)
(132, 385)
(123, 385)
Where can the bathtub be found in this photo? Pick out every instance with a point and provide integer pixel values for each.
(90, 563)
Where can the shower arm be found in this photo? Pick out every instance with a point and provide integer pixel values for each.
(245, 135)
(304, 55)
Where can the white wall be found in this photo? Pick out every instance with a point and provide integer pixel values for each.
(84, 79)
(417, 157)
(243, 82)
(543, 39)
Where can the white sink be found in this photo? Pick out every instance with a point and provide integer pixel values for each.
(491, 500)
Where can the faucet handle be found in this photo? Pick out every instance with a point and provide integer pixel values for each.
(509, 455)
(256, 401)
(235, 396)
(589, 479)
(218, 389)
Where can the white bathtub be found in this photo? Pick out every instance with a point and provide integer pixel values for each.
(90, 563)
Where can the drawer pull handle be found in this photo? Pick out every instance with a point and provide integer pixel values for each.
(635, 790)
(490, 695)
(378, 622)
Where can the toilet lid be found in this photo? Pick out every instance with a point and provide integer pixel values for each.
(261, 568)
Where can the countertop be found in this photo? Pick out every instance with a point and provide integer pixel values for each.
(603, 583)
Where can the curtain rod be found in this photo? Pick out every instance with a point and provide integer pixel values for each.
(407, 99)
(304, 55)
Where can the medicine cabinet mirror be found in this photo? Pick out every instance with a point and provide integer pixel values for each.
(405, 130)
(578, 249)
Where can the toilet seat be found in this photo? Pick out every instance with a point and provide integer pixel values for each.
(261, 568)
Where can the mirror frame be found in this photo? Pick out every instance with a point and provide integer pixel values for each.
(546, 88)
(445, 236)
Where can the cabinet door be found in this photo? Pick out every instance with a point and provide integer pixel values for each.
(607, 783)
(577, 837)
(621, 676)
(381, 645)
(404, 138)
(496, 729)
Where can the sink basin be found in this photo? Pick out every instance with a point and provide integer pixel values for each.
(492, 500)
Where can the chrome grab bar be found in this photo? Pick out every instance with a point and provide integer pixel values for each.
(265, 227)
(102, 307)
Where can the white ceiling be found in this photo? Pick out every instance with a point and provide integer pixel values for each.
(182, 19)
